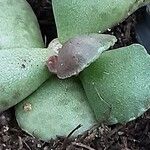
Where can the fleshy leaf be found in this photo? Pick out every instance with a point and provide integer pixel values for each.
(18, 25)
(118, 84)
(77, 17)
(56, 108)
(78, 52)
(22, 71)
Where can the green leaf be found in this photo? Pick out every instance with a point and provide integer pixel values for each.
(22, 71)
(56, 108)
(118, 84)
(18, 25)
(75, 17)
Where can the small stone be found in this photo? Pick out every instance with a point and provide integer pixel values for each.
(27, 107)
(39, 145)
(120, 133)
(5, 128)
(46, 148)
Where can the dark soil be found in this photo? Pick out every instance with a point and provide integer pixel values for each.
(132, 136)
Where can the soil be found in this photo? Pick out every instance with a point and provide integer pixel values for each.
(134, 135)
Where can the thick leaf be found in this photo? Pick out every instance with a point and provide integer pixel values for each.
(22, 71)
(18, 25)
(56, 108)
(118, 84)
(75, 17)
(78, 53)
(54, 46)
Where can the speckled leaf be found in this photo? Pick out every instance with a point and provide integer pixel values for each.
(22, 71)
(118, 84)
(56, 108)
(18, 25)
(74, 17)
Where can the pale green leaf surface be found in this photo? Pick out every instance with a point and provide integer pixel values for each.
(18, 25)
(22, 71)
(77, 17)
(56, 108)
(118, 84)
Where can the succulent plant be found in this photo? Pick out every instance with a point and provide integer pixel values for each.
(23, 70)
(78, 52)
(118, 84)
(22, 65)
(77, 17)
(56, 108)
(18, 25)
